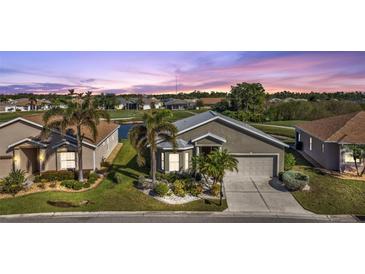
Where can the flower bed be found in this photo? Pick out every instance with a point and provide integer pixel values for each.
(50, 186)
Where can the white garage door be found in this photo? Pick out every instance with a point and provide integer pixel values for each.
(254, 166)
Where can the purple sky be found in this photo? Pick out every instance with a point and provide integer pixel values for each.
(155, 72)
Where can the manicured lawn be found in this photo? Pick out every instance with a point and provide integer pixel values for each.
(136, 115)
(289, 123)
(286, 132)
(107, 196)
(7, 116)
(330, 195)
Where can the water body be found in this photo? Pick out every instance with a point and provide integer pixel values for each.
(123, 130)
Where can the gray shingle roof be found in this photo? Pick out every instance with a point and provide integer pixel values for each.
(201, 118)
(181, 144)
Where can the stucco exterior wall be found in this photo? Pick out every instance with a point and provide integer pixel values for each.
(29, 159)
(105, 148)
(329, 158)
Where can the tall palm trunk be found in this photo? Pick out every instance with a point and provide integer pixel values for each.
(79, 154)
(153, 165)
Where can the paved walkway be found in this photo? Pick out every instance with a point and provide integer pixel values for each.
(260, 194)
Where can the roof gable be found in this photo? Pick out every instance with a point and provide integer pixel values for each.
(347, 128)
(200, 119)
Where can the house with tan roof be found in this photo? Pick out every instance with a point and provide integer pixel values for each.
(25, 104)
(23, 146)
(326, 140)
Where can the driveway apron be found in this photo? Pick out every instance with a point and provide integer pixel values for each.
(259, 194)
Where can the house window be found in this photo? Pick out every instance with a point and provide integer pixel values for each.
(186, 161)
(68, 160)
(322, 147)
(310, 143)
(162, 161)
(348, 158)
(174, 162)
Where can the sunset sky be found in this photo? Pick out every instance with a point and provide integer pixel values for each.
(155, 72)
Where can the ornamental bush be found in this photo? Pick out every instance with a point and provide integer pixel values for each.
(92, 178)
(72, 184)
(295, 180)
(195, 189)
(178, 188)
(13, 183)
(215, 189)
(59, 175)
(289, 161)
(141, 183)
(161, 189)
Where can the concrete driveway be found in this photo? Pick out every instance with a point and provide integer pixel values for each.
(259, 194)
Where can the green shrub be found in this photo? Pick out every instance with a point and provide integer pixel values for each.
(41, 185)
(72, 184)
(195, 189)
(281, 175)
(294, 180)
(161, 189)
(59, 175)
(92, 178)
(86, 185)
(13, 183)
(178, 188)
(289, 161)
(215, 189)
(118, 177)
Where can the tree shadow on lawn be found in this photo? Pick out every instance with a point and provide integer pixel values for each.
(123, 169)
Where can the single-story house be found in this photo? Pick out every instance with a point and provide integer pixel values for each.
(179, 104)
(258, 153)
(23, 147)
(326, 140)
(144, 103)
(25, 104)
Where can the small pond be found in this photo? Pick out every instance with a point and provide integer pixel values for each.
(124, 129)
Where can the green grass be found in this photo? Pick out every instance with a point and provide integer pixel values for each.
(286, 132)
(107, 196)
(289, 123)
(136, 115)
(7, 116)
(328, 194)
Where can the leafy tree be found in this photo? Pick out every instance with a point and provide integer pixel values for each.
(249, 97)
(33, 102)
(81, 113)
(156, 126)
(199, 103)
(358, 153)
(215, 165)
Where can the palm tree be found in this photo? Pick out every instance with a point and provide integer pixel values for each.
(155, 127)
(33, 102)
(215, 165)
(79, 114)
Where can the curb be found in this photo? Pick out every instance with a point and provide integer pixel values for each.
(329, 218)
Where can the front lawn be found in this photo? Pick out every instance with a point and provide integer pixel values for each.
(273, 130)
(330, 195)
(287, 123)
(7, 116)
(106, 197)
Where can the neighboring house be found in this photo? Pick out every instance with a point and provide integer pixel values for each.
(22, 147)
(325, 140)
(122, 103)
(258, 153)
(24, 104)
(208, 102)
(179, 104)
(144, 103)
